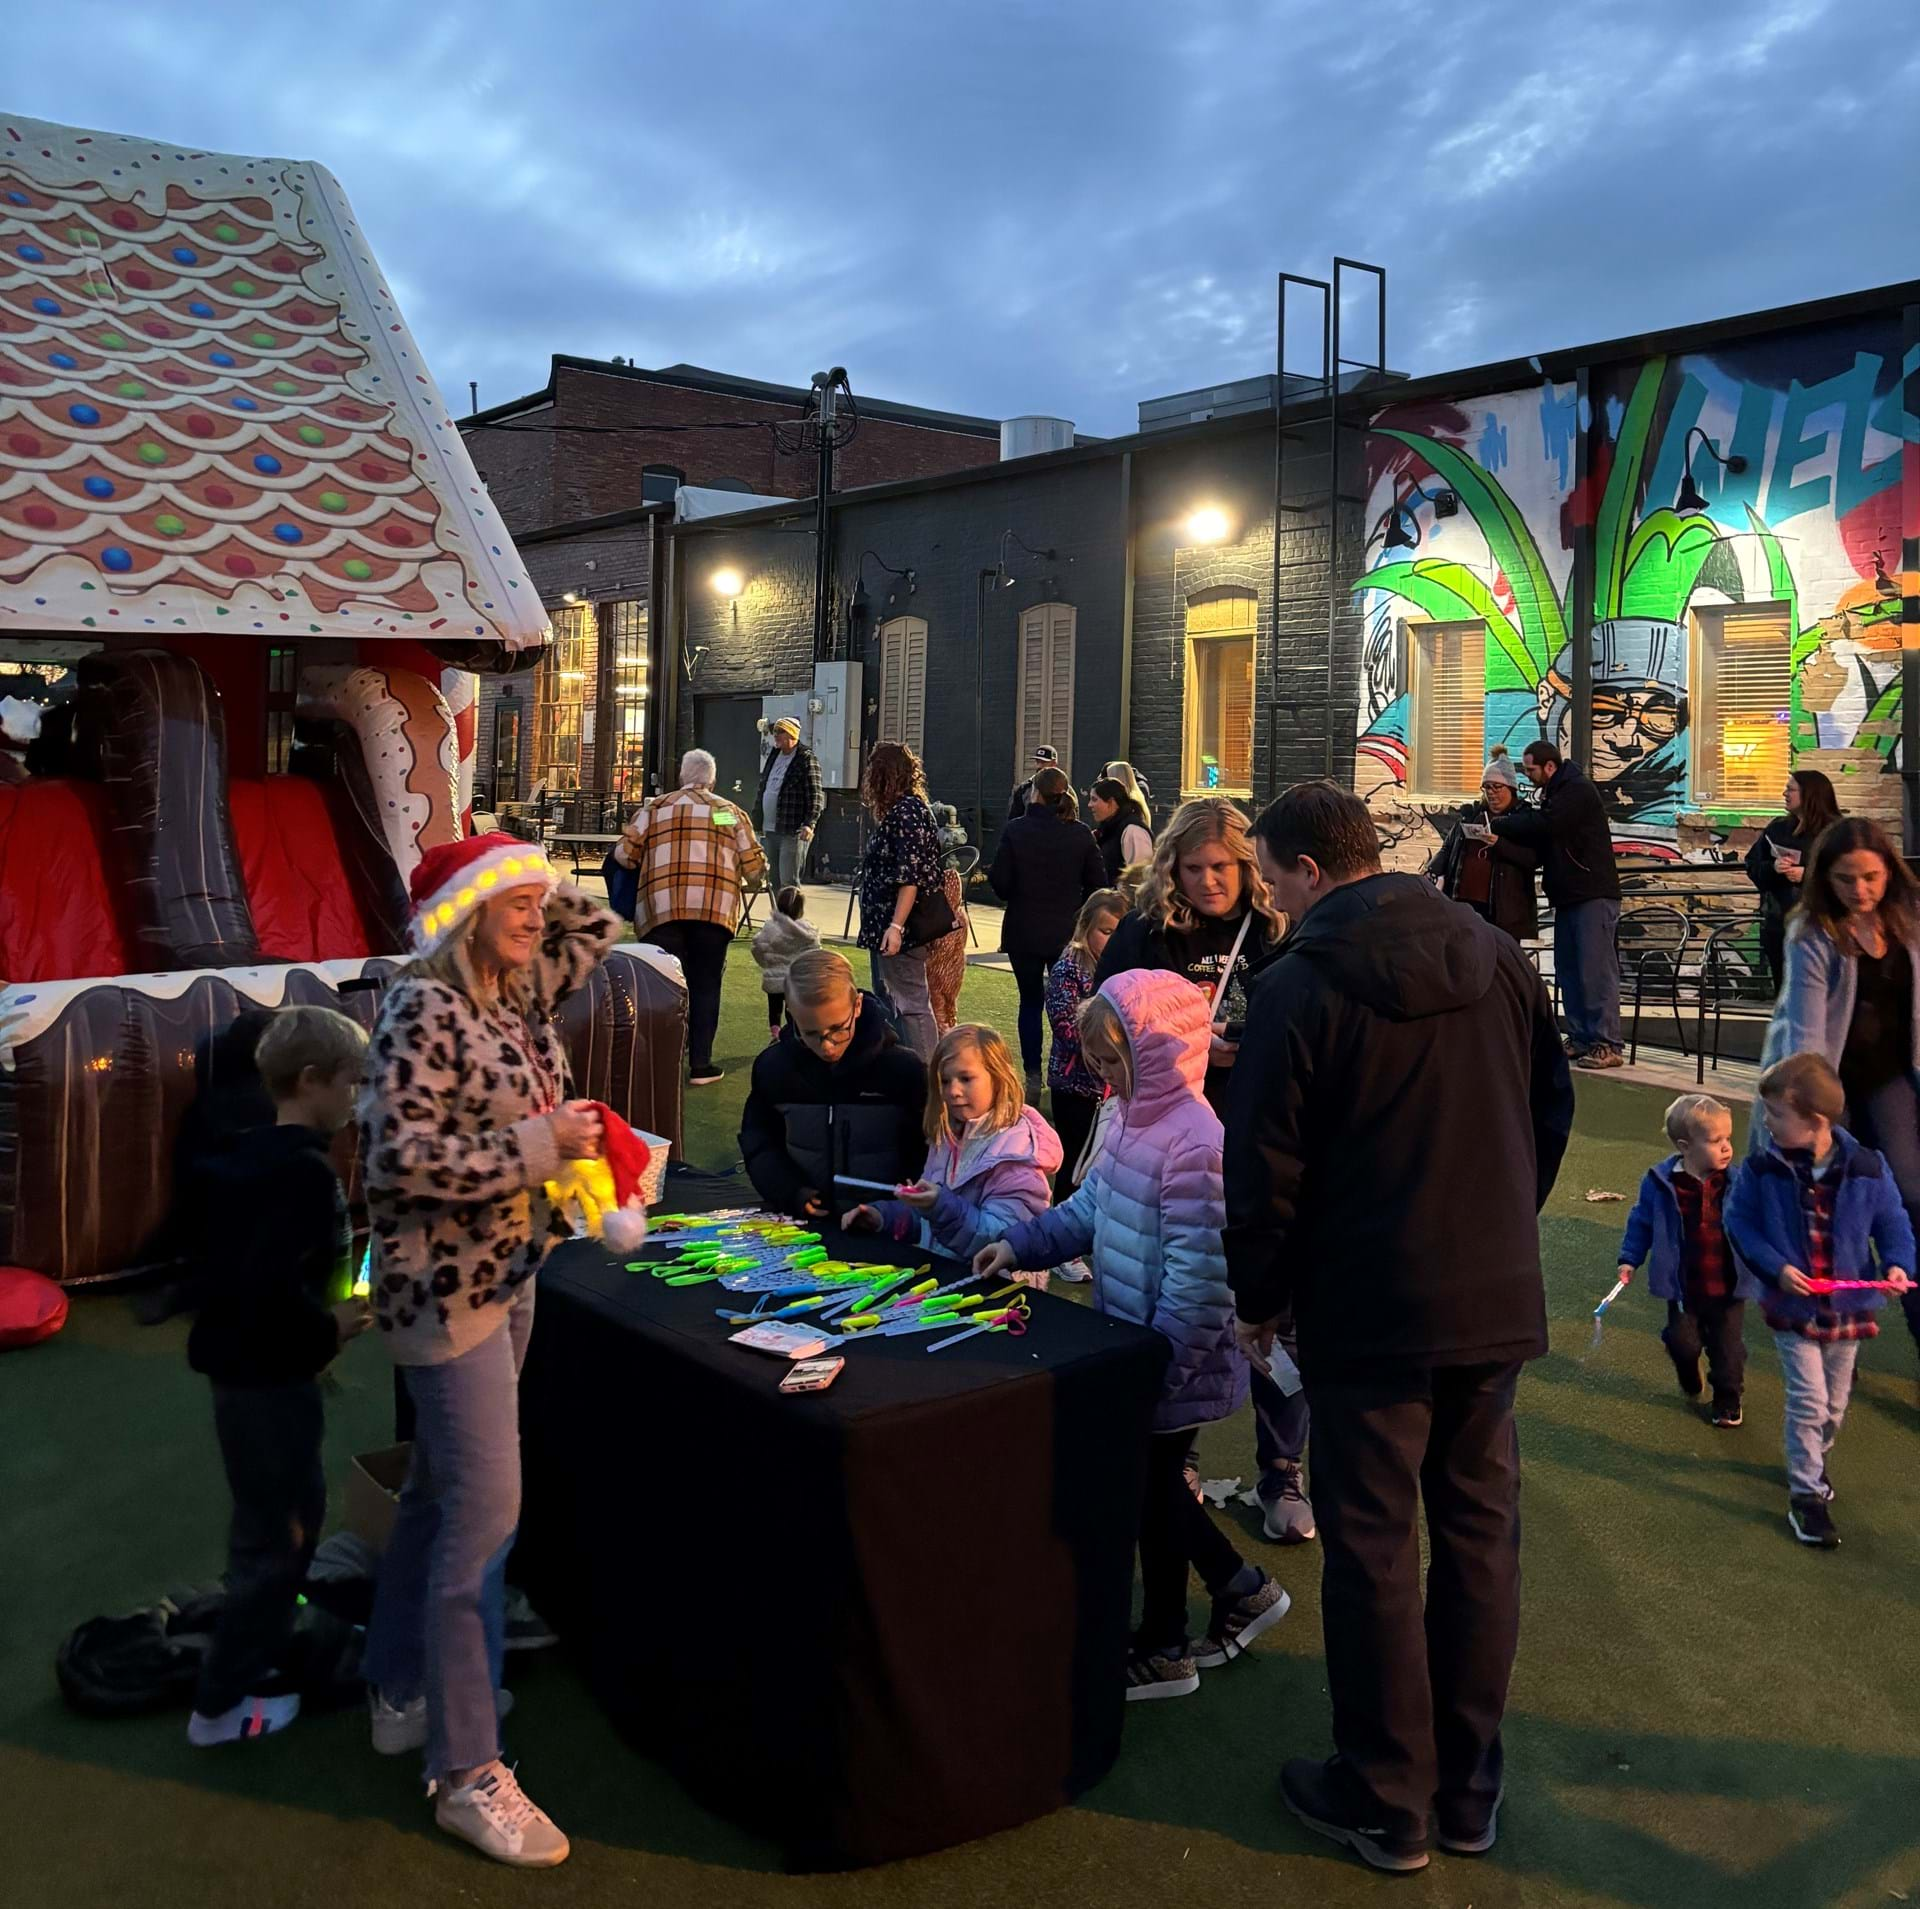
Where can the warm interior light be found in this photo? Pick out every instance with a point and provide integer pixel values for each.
(1207, 526)
(727, 583)
(569, 596)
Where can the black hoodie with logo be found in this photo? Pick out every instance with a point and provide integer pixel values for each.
(1396, 1120)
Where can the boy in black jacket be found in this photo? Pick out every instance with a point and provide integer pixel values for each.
(279, 1308)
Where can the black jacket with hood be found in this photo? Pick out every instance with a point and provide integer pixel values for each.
(282, 1257)
(1396, 1119)
(805, 1121)
(1569, 832)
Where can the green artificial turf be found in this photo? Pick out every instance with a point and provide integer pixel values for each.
(1703, 1714)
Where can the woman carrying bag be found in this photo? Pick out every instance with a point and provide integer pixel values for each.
(903, 903)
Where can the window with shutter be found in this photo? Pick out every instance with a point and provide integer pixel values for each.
(903, 682)
(1218, 754)
(1741, 706)
(1448, 728)
(1045, 685)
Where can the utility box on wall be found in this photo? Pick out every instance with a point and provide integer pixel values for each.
(837, 690)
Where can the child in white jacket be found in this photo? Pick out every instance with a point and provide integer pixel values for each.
(787, 933)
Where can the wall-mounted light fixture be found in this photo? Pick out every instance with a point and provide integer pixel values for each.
(1402, 530)
(1208, 525)
(569, 596)
(727, 583)
(1689, 497)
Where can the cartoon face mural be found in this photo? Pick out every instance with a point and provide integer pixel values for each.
(1804, 533)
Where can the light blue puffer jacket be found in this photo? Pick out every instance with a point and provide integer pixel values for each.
(1149, 1213)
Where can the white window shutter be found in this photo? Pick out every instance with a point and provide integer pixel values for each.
(913, 692)
(1060, 646)
(1043, 709)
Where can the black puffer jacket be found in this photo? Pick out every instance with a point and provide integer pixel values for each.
(1044, 868)
(1569, 832)
(1395, 1120)
(805, 1120)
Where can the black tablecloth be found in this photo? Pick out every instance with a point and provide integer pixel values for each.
(869, 1622)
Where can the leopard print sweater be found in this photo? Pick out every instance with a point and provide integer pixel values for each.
(457, 1145)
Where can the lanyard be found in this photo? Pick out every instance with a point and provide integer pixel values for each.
(1233, 961)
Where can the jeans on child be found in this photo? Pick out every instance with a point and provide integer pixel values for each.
(1819, 1380)
(1280, 1426)
(439, 1612)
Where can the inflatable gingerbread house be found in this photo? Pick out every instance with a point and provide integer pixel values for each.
(247, 577)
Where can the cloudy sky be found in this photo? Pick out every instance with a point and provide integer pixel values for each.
(1059, 207)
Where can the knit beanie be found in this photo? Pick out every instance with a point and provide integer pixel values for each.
(451, 880)
(1499, 768)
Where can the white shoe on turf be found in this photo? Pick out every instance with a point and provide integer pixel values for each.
(398, 1728)
(499, 1819)
(251, 1717)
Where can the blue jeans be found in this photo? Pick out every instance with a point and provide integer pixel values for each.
(1819, 1383)
(1589, 971)
(786, 858)
(439, 1611)
(1280, 1426)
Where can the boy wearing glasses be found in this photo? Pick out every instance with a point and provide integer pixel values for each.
(836, 1094)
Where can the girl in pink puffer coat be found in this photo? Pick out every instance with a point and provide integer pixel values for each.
(1149, 1215)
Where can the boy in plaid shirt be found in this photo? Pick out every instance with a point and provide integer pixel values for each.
(1677, 1221)
(1808, 1212)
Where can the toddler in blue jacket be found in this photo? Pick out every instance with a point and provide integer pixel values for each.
(1807, 1215)
(1676, 1223)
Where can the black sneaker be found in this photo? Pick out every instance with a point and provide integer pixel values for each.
(707, 1077)
(1462, 1835)
(1237, 1621)
(1812, 1522)
(1726, 1413)
(1152, 1674)
(1315, 1793)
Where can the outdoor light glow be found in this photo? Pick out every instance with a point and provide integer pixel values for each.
(1208, 526)
(727, 583)
(569, 596)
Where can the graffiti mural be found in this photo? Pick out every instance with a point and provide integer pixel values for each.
(1756, 476)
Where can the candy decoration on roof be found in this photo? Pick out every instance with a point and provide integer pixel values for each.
(212, 414)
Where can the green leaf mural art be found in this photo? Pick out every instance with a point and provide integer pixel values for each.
(1451, 592)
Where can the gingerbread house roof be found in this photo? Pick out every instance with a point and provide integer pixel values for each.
(213, 416)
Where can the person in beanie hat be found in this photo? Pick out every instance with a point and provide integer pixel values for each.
(1044, 757)
(1491, 874)
(792, 798)
(694, 852)
(464, 1119)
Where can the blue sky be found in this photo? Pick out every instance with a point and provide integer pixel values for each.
(1053, 207)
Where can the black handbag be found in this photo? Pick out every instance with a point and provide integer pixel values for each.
(930, 919)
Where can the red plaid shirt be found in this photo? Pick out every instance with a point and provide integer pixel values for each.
(1706, 1272)
(1826, 1326)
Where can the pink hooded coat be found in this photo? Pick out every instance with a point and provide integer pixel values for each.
(988, 1185)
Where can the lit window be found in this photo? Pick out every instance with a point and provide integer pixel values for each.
(903, 682)
(1742, 692)
(561, 722)
(1218, 753)
(1448, 729)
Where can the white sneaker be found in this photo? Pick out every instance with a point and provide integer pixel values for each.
(398, 1728)
(500, 1820)
(251, 1717)
(1076, 1272)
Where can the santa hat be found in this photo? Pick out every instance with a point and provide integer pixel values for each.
(452, 880)
(627, 1156)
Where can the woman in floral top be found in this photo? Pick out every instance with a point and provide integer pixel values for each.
(902, 862)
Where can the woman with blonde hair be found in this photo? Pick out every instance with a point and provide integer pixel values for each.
(464, 1118)
(990, 1156)
(1205, 912)
(901, 866)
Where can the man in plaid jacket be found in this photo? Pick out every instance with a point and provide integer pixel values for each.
(694, 853)
(791, 800)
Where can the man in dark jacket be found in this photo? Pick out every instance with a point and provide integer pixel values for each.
(1397, 1116)
(1047, 864)
(1045, 757)
(790, 803)
(837, 1093)
(1569, 833)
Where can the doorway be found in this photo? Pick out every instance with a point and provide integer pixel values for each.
(725, 726)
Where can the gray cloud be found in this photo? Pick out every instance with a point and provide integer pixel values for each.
(1053, 207)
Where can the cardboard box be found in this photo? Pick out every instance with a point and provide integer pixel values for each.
(373, 1493)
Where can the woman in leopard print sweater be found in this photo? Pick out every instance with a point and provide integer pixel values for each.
(464, 1118)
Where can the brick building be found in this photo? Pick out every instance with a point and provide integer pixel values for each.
(585, 472)
(1691, 558)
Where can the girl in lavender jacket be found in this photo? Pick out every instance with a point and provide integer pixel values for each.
(990, 1156)
(1149, 1215)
